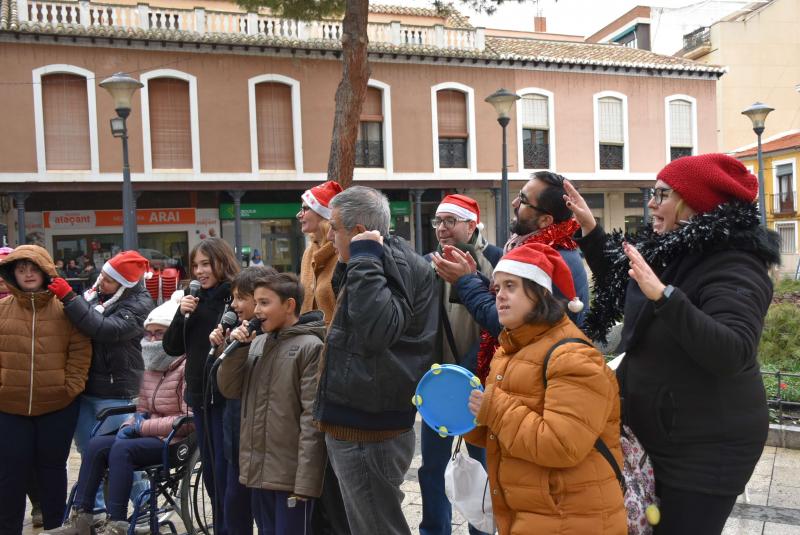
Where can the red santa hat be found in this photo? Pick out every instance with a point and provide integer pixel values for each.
(128, 268)
(319, 197)
(543, 265)
(461, 206)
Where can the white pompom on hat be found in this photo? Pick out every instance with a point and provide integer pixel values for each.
(543, 265)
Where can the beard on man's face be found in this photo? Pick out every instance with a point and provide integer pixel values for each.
(521, 226)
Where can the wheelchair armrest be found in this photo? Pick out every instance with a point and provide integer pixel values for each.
(183, 420)
(113, 411)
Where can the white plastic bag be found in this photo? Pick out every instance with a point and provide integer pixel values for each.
(467, 487)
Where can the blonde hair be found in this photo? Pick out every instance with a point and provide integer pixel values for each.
(324, 228)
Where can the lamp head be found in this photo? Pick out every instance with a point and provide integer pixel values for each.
(758, 115)
(121, 87)
(118, 127)
(502, 100)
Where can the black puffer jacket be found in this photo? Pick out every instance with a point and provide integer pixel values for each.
(690, 381)
(382, 339)
(191, 337)
(116, 334)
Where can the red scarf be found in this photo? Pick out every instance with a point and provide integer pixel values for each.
(557, 236)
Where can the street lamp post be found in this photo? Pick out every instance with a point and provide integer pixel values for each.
(757, 113)
(121, 87)
(503, 101)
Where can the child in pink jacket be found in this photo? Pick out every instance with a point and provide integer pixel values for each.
(139, 441)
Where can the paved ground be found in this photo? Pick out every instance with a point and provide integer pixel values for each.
(772, 507)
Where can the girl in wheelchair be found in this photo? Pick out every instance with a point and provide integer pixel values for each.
(140, 439)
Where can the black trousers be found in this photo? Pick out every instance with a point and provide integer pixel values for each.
(684, 512)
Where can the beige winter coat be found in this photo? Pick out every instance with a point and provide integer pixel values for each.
(280, 447)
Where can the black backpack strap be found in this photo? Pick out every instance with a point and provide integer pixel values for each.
(448, 332)
(599, 444)
(557, 345)
(606, 453)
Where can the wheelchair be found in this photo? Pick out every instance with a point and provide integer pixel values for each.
(175, 485)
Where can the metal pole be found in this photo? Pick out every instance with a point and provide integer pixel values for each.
(20, 200)
(129, 233)
(496, 194)
(504, 185)
(237, 221)
(761, 203)
(417, 193)
(646, 209)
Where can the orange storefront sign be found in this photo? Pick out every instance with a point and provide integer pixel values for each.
(113, 218)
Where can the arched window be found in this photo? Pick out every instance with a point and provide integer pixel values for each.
(170, 123)
(274, 126)
(66, 122)
(611, 128)
(369, 145)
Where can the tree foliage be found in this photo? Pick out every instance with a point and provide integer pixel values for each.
(298, 9)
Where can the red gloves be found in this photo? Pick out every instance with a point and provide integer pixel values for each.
(60, 288)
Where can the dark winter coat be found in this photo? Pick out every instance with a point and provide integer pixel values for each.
(116, 334)
(690, 381)
(382, 339)
(191, 337)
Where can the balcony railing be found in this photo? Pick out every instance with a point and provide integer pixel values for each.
(199, 20)
(700, 37)
(784, 203)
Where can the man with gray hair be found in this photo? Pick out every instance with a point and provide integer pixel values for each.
(382, 339)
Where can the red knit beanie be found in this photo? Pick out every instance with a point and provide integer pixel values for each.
(708, 180)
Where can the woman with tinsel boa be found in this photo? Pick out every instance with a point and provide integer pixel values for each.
(693, 292)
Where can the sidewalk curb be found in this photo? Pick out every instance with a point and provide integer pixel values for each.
(784, 436)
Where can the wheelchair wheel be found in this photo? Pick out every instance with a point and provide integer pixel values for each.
(196, 509)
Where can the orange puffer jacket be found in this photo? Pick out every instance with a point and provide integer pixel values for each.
(161, 396)
(545, 474)
(44, 360)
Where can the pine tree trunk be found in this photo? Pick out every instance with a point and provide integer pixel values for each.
(351, 93)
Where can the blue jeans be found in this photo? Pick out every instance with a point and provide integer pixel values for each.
(208, 425)
(238, 513)
(122, 457)
(370, 475)
(437, 513)
(275, 517)
(39, 445)
(87, 418)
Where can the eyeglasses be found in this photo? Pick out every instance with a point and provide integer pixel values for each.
(449, 222)
(523, 199)
(659, 194)
(154, 336)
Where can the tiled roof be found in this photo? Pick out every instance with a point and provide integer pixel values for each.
(496, 48)
(591, 54)
(789, 141)
(452, 16)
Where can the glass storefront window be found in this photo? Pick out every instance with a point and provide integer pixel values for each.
(277, 244)
(163, 249)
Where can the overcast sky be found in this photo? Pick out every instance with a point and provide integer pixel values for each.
(578, 17)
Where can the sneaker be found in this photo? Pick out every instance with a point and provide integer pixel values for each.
(36, 515)
(78, 523)
(117, 527)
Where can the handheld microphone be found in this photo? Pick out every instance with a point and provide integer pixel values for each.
(229, 321)
(253, 326)
(194, 289)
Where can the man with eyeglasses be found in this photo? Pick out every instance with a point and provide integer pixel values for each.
(457, 225)
(540, 216)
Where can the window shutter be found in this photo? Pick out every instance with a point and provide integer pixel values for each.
(452, 113)
(680, 123)
(274, 126)
(372, 110)
(535, 112)
(170, 123)
(66, 122)
(609, 110)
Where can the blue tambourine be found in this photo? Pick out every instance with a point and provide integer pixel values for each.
(442, 396)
